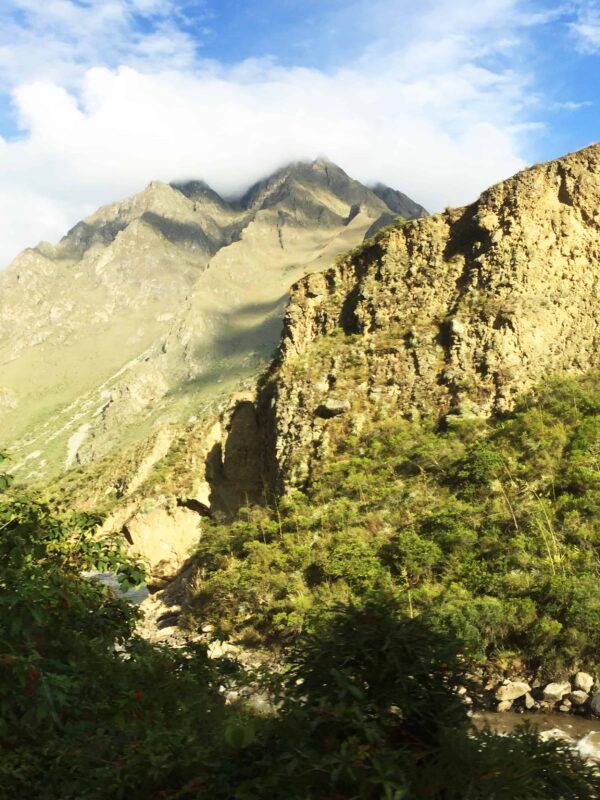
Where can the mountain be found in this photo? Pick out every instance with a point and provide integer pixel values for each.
(446, 319)
(429, 430)
(398, 521)
(153, 308)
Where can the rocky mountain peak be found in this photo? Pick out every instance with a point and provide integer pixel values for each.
(200, 191)
(140, 301)
(399, 203)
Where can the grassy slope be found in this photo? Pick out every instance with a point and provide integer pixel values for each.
(493, 527)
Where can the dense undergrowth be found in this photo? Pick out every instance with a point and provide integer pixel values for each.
(365, 710)
(416, 552)
(490, 529)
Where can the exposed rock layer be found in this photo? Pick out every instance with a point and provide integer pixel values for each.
(452, 314)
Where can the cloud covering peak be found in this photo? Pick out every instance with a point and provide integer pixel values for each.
(110, 94)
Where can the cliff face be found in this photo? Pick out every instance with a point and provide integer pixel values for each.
(452, 315)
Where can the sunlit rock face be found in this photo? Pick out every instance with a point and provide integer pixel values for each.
(452, 315)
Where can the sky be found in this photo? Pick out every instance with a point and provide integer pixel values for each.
(437, 98)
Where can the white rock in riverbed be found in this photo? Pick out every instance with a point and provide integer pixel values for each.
(554, 692)
(512, 690)
(584, 681)
(578, 697)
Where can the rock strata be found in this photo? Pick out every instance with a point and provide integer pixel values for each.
(455, 314)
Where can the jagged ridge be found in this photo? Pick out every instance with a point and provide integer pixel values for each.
(151, 308)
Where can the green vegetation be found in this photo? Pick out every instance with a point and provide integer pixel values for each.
(492, 530)
(416, 552)
(366, 708)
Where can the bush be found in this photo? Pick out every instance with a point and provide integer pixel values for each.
(481, 526)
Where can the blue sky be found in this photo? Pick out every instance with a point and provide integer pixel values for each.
(439, 98)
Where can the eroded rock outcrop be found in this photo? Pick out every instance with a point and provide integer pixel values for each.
(453, 314)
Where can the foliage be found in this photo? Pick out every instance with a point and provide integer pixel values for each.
(415, 551)
(87, 708)
(492, 528)
(368, 710)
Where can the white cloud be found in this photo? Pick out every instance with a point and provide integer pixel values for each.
(586, 27)
(571, 105)
(424, 115)
(59, 39)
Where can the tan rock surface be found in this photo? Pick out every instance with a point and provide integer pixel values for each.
(164, 538)
(453, 314)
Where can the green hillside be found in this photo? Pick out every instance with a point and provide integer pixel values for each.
(491, 529)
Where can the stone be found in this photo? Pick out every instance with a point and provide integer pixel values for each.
(164, 538)
(583, 681)
(512, 690)
(504, 705)
(333, 408)
(218, 649)
(595, 704)
(564, 707)
(554, 692)
(578, 697)
(529, 702)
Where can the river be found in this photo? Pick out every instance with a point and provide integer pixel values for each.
(134, 596)
(582, 732)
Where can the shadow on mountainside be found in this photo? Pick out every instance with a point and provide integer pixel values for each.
(239, 339)
(185, 234)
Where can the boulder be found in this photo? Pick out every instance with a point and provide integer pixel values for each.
(554, 692)
(333, 408)
(505, 705)
(530, 702)
(583, 681)
(512, 690)
(164, 538)
(578, 697)
(595, 704)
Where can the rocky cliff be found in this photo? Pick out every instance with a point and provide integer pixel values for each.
(448, 317)
(451, 316)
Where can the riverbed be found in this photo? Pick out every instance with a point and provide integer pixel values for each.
(582, 732)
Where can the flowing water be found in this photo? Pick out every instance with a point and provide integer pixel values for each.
(134, 596)
(583, 733)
